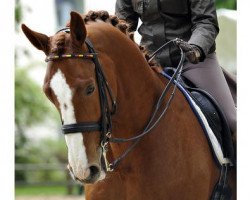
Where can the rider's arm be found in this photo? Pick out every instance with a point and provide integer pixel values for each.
(124, 10)
(204, 25)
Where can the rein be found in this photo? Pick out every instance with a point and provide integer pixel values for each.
(152, 121)
(105, 94)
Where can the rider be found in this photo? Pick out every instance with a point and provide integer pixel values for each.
(195, 22)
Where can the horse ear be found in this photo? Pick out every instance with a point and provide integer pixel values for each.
(77, 28)
(39, 40)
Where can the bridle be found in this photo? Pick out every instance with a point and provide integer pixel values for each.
(106, 95)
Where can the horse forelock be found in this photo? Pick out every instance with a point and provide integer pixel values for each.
(58, 44)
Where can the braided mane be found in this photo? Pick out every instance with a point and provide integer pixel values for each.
(123, 26)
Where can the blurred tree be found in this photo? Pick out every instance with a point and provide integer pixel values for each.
(228, 4)
(30, 108)
(31, 104)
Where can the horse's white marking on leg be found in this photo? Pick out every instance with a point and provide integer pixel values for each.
(76, 150)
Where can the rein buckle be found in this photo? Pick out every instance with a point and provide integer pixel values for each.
(108, 166)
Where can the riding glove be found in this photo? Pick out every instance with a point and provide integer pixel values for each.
(193, 52)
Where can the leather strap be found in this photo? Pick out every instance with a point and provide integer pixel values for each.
(81, 127)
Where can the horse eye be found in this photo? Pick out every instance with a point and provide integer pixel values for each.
(90, 89)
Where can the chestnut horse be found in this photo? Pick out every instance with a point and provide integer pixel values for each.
(173, 161)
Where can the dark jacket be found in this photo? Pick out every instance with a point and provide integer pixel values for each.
(194, 21)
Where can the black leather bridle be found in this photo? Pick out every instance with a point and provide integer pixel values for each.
(106, 95)
(105, 124)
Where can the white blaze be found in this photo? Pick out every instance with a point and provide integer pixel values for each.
(76, 150)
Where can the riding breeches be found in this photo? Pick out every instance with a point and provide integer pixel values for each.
(208, 76)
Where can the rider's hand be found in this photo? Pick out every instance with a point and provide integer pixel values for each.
(193, 52)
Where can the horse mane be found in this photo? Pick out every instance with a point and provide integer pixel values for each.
(123, 26)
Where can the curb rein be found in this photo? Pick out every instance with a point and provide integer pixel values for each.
(105, 125)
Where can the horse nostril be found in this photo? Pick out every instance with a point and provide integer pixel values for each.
(94, 172)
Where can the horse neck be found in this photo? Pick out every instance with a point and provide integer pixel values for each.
(134, 84)
(137, 91)
(137, 88)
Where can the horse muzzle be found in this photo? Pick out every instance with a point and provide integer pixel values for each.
(89, 176)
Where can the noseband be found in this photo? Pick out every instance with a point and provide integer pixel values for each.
(105, 94)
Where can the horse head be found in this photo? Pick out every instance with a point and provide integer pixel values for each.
(71, 85)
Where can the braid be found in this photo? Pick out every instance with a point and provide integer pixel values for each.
(123, 26)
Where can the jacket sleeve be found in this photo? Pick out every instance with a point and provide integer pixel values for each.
(204, 24)
(124, 10)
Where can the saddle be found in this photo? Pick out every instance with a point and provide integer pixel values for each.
(216, 120)
(213, 114)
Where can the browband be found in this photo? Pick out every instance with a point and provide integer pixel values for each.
(84, 56)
